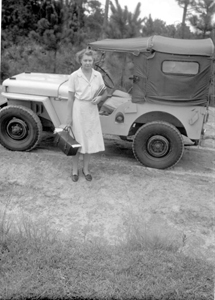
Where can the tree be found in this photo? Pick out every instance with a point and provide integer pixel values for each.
(159, 27)
(122, 23)
(49, 32)
(94, 20)
(107, 3)
(19, 17)
(187, 8)
(152, 27)
(80, 13)
(202, 18)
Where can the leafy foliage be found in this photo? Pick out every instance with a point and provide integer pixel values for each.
(159, 27)
(202, 17)
(93, 19)
(200, 14)
(124, 24)
(37, 34)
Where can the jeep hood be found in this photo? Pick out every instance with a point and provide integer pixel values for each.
(39, 84)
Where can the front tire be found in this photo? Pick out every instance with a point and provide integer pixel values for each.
(20, 128)
(158, 145)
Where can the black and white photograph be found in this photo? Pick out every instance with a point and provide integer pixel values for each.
(107, 149)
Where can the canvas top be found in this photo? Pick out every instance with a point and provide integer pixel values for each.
(204, 47)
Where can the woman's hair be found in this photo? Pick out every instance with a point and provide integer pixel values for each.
(83, 52)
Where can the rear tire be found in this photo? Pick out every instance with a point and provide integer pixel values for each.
(158, 145)
(20, 128)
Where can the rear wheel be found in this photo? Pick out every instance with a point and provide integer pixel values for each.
(158, 145)
(20, 128)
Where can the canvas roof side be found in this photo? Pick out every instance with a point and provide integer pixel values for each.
(204, 47)
(133, 45)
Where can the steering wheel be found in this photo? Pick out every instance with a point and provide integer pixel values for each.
(106, 77)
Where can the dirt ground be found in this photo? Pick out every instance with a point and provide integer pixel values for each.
(176, 204)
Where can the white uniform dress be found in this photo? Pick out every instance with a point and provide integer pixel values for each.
(86, 121)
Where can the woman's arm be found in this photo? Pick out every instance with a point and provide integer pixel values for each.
(101, 98)
(71, 98)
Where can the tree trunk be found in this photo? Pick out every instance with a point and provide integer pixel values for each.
(79, 19)
(105, 19)
(55, 61)
(183, 24)
(66, 14)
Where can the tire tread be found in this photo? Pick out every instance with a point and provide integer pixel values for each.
(165, 124)
(26, 110)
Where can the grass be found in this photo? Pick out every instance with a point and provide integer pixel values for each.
(151, 235)
(36, 263)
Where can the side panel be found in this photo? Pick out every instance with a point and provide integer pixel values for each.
(61, 107)
(190, 117)
(182, 89)
(185, 82)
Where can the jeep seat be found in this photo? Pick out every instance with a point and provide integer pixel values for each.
(116, 99)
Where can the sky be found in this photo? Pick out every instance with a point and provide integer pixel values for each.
(166, 10)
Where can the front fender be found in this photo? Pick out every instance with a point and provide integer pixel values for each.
(13, 98)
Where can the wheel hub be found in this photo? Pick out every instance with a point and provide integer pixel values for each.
(17, 129)
(158, 146)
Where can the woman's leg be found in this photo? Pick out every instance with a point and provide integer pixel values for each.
(75, 164)
(86, 160)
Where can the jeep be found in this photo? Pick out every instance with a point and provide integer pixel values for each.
(168, 100)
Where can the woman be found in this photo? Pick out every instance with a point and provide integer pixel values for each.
(83, 115)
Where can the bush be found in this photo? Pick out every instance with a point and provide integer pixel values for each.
(34, 58)
(5, 70)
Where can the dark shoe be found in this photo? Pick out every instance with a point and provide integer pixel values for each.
(88, 177)
(75, 177)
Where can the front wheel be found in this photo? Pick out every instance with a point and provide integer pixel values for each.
(20, 128)
(158, 145)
